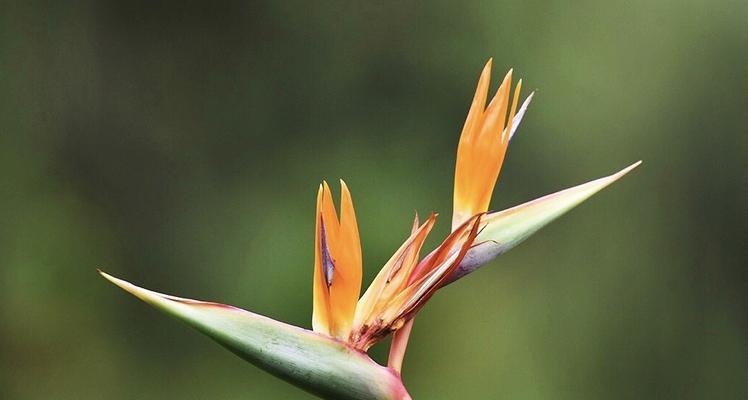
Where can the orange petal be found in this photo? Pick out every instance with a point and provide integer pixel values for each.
(482, 147)
(346, 285)
(475, 114)
(337, 266)
(496, 111)
(510, 118)
(321, 294)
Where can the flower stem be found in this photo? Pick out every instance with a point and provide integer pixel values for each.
(398, 346)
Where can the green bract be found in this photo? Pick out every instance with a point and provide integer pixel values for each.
(313, 362)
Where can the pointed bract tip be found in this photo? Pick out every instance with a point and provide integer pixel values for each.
(627, 169)
(506, 229)
(124, 285)
(108, 277)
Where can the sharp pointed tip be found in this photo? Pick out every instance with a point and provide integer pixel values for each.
(105, 275)
(507, 79)
(526, 103)
(486, 72)
(630, 167)
(116, 281)
(345, 197)
(624, 171)
(325, 186)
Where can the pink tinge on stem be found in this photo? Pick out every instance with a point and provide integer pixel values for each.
(399, 345)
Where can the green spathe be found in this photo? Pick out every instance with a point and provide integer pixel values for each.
(508, 228)
(318, 364)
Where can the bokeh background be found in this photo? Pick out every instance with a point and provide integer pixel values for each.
(180, 145)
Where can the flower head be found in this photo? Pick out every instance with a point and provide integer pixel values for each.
(406, 282)
(331, 360)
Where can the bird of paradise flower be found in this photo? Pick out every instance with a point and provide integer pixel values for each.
(331, 361)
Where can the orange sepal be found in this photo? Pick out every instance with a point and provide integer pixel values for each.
(482, 146)
(337, 264)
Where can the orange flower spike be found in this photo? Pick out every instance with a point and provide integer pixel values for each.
(482, 147)
(337, 264)
(346, 287)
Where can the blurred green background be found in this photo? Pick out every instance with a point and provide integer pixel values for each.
(180, 145)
